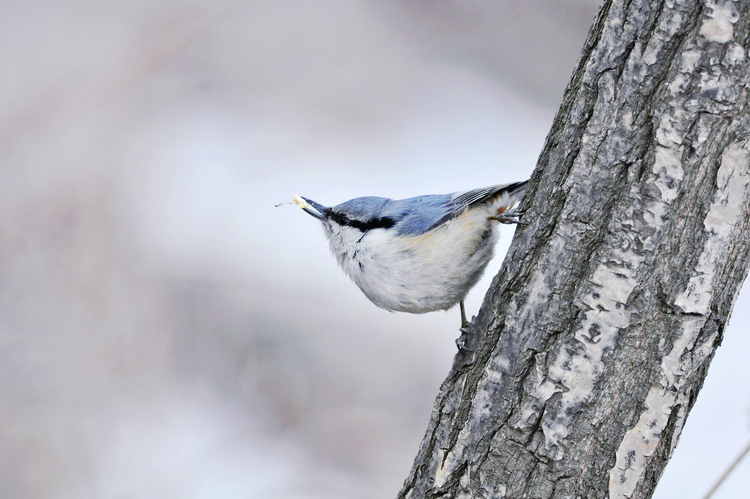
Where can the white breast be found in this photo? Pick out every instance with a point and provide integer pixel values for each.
(417, 274)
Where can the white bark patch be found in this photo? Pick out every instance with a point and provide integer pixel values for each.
(494, 377)
(538, 291)
(717, 83)
(733, 178)
(441, 475)
(578, 369)
(735, 55)
(668, 167)
(640, 442)
(689, 60)
(463, 491)
(541, 389)
(698, 355)
(670, 364)
(452, 459)
(668, 136)
(668, 158)
(718, 27)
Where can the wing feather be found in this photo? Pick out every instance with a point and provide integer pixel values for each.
(424, 213)
(460, 201)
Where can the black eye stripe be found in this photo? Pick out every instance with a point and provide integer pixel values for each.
(375, 223)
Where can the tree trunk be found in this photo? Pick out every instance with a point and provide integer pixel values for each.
(596, 335)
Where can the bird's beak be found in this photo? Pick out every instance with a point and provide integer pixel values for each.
(311, 207)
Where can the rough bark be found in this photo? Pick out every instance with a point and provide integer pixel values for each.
(596, 335)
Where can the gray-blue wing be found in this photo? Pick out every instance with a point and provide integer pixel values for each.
(463, 200)
(421, 214)
(418, 215)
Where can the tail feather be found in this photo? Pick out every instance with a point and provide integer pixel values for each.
(508, 197)
(502, 198)
(466, 199)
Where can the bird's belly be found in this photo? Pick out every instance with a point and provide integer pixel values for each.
(423, 275)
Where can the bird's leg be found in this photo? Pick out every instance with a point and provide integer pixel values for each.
(462, 342)
(510, 217)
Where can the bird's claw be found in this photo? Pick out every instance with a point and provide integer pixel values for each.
(462, 342)
(511, 217)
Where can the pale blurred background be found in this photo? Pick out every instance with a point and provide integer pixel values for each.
(165, 332)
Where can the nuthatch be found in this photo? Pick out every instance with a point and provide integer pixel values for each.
(419, 254)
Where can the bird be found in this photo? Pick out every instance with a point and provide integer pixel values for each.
(420, 254)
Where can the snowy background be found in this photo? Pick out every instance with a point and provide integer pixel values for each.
(165, 332)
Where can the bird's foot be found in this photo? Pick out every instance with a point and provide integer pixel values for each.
(464, 341)
(510, 217)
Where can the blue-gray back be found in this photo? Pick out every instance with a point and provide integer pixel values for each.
(417, 215)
